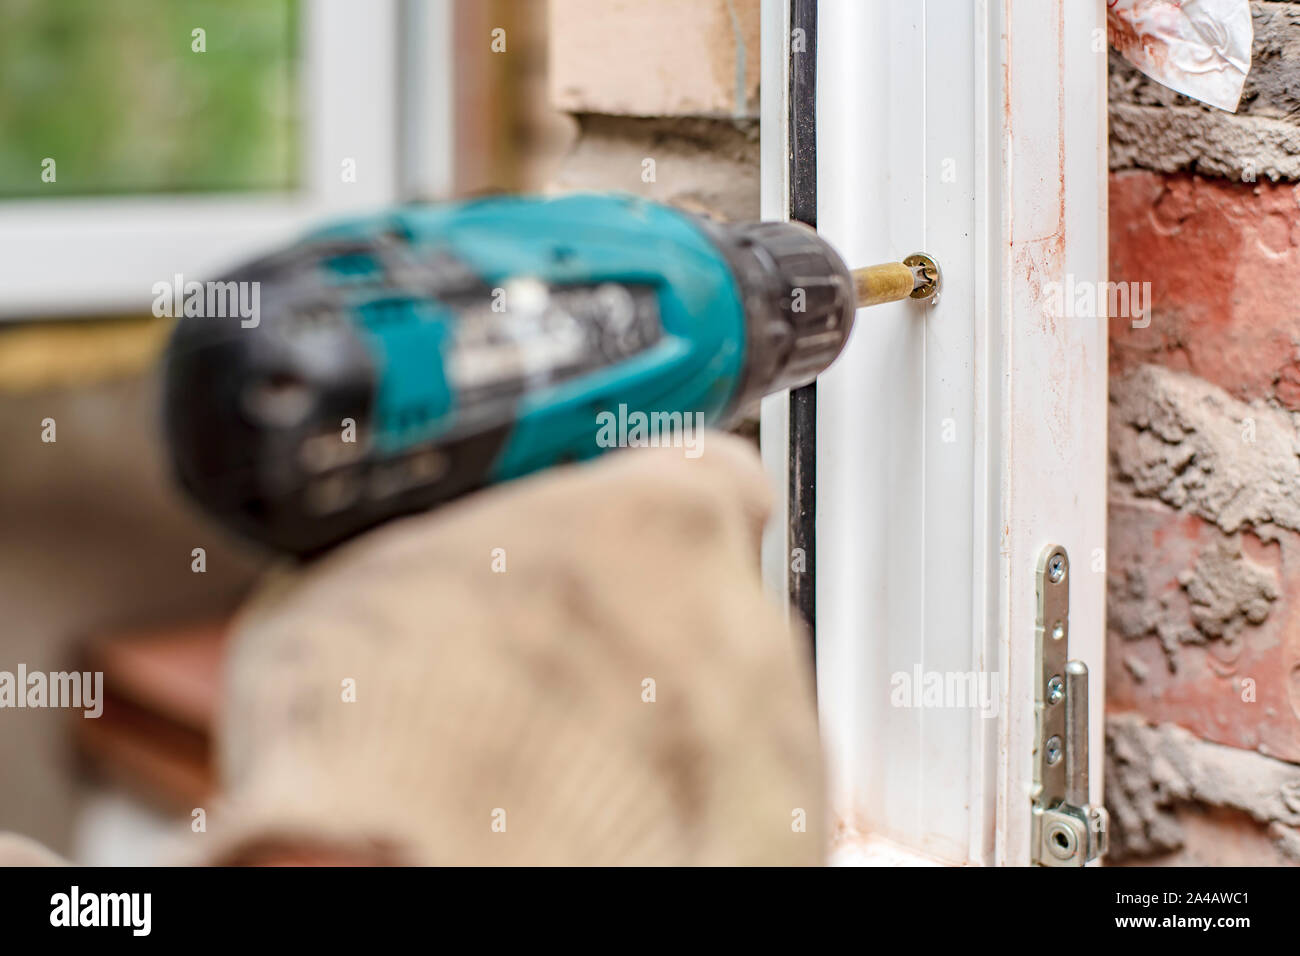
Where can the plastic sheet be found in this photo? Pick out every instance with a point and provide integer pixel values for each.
(1200, 48)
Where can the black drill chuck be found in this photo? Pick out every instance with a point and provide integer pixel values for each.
(799, 303)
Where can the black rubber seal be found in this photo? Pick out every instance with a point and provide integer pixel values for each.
(803, 401)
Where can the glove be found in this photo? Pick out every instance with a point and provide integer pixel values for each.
(575, 668)
(18, 850)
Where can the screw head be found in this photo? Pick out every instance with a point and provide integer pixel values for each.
(1055, 690)
(1053, 749)
(1056, 568)
(1058, 631)
(930, 274)
(1061, 841)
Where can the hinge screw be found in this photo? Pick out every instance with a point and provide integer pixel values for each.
(1056, 568)
(1053, 751)
(1055, 690)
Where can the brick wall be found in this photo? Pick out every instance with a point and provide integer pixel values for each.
(665, 95)
(1203, 670)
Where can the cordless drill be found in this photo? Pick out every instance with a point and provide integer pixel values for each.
(404, 359)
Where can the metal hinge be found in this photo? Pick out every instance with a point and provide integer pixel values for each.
(1067, 830)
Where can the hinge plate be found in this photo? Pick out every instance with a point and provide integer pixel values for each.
(1067, 830)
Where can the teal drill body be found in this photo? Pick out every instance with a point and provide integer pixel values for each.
(584, 241)
(405, 358)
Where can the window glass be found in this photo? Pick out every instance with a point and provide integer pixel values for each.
(105, 97)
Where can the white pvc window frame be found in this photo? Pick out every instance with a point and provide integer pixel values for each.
(371, 93)
(955, 441)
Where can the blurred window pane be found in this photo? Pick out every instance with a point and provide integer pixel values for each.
(114, 92)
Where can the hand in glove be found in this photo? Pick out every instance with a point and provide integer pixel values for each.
(575, 668)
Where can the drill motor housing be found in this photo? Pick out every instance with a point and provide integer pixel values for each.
(404, 359)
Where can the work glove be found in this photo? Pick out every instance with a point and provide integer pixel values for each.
(18, 850)
(579, 667)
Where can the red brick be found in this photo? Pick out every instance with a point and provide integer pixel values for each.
(660, 58)
(1204, 694)
(1223, 260)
